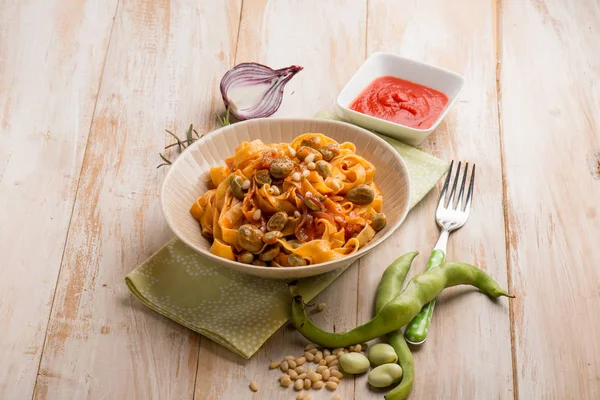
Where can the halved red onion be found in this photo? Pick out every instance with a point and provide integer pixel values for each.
(252, 90)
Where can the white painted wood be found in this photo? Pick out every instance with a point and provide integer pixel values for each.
(468, 351)
(160, 73)
(51, 58)
(549, 104)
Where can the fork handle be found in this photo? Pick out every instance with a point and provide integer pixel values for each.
(416, 330)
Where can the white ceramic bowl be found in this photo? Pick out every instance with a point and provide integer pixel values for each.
(188, 179)
(387, 64)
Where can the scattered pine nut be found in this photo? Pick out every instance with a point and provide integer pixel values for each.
(284, 366)
(318, 357)
(296, 176)
(300, 360)
(298, 385)
(318, 385)
(305, 173)
(321, 307)
(302, 376)
(334, 367)
(292, 364)
(301, 370)
(302, 395)
(333, 379)
(337, 350)
(274, 364)
(256, 215)
(291, 151)
(336, 397)
(285, 382)
(326, 374)
(309, 356)
(313, 351)
(351, 349)
(293, 374)
(311, 166)
(297, 213)
(307, 383)
(322, 362)
(253, 386)
(334, 362)
(336, 373)
(288, 358)
(326, 353)
(340, 354)
(275, 191)
(312, 376)
(283, 376)
(329, 359)
(357, 348)
(321, 368)
(331, 386)
(309, 158)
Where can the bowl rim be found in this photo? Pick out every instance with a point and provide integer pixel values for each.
(442, 115)
(350, 258)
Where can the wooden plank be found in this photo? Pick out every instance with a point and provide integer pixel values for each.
(160, 69)
(51, 57)
(327, 38)
(550, 129)
(468, 330)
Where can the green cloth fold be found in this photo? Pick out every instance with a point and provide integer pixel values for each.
(236, 310)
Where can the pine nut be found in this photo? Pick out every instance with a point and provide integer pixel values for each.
(311, 166)
(313, 351)
(312, 376)
(302, 395)
(357, 348)
(336, 373)
(309, 158)
(305, 173)
(334, 368)
(275, 191)
(322, 362)
(307, 383)
(292, 364)
(253, 386)
(285, 382)
(318, 357)
(301, 370)
(291, 151)
(331, 386)
(298, 385)
(318, 385)
(321, 368)
(256, 215)
(326, 374)
(351, 349)
(300, 360)
(297, 213)
(337, 350)
(302, 376)
(326, 352)
(329, 359)
(246, 184)
(336, 397)
(274, 364)
(293, 374)
(340, 354)
(296, 176)
(333, 379)
(334, 362)
(284, 366)
(309, 356)
(288, 358)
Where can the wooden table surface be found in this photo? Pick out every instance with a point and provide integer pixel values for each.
(87, 88)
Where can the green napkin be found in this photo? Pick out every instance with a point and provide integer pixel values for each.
(237, 310)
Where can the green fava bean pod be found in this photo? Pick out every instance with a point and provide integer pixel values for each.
(389, 287)
(398, 312)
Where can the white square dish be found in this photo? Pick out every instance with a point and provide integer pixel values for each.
(386, 64)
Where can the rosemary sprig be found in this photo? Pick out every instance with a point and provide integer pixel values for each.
(191, 135)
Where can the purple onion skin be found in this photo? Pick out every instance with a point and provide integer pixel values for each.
(254, 73)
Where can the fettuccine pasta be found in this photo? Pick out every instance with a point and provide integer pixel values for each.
(291, 204)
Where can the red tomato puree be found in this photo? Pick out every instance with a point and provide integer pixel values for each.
(400, 101)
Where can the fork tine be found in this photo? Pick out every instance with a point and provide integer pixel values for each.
(442, 200)
(470, 192)
(451, 199)
(459, 204)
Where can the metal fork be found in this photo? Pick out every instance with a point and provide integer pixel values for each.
(450, 216)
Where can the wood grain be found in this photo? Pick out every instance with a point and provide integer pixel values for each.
(160, 73)
(330, 46)
(468, 330)
(551, 148)
(51, 58)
